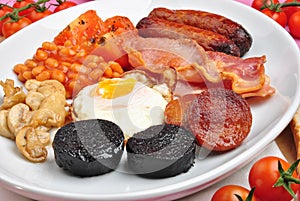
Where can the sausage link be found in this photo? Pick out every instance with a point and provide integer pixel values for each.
(210, 41)
(209, 21)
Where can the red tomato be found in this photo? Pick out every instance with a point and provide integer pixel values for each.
(279, 17)
(23, 3)
(227, 193)
(289, 10)
(36, 15)
(258, 4)
(62, 5)
(264, 174)
(294, 24)
(10, 27)
(3, 11)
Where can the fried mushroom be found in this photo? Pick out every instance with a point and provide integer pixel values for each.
(30, 146)
(18, 117)
(12, 95)
(51, 112)
(46, 87)
(34, 99)
(4, 130)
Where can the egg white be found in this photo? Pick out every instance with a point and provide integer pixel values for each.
(133, 112)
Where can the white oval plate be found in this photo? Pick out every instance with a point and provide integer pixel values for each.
(47, 181)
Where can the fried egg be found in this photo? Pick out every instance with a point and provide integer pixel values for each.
(130, 104)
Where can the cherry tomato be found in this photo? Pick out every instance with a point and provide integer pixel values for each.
(36, 15)
(289, 10)
(10, 27)
(3, 11)
(258, 4)
(62, 5)
(279, 17)
(264, 174)
(227, 193)
(294, 24)
(23, 3)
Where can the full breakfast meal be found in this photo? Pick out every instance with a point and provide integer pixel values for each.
(157, 90)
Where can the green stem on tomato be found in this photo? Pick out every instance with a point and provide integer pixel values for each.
(286, 177)
(60, 1)
(41, 7)
(270, 6)
(248, 198)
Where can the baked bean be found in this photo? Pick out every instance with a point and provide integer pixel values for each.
(45, 75)
(49, 46)
(30, 63)
(95, 74)
(70, 86)
(75, 67)
(108, 73)
(21, 78)
(72, 75)
(51, 63)
(27, 75)
(103, 66)
(37, 70)
(19, 68)
(116, 67)
(58, 75)
(66, 52)
(64, 63)
(81, 77)
(68, 43)
(63, 68)
(85, 70)
(92, 65)
(41, 55)
(116, 74)
(93, 58)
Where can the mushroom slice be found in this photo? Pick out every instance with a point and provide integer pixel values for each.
(46, 87)
(43, 136)
(4, 130)
(30, 146)
(34, 99)
(47, 117)
(51, 112)
(32, 85)
(18, 117)
(49, 87)
(13, 95)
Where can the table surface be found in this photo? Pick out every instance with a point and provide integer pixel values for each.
(283, 146)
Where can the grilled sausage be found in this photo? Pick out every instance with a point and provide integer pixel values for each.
(155, 27)
(208, 21)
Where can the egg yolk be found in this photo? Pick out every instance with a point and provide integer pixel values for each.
(113, 88)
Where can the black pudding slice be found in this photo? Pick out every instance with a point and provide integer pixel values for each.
(89, 147)
(161, 151)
